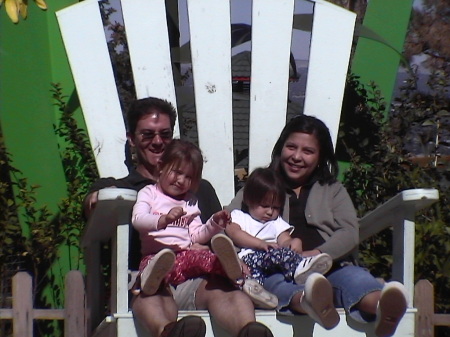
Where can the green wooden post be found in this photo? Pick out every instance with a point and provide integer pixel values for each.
(32, 57)
(374, 61)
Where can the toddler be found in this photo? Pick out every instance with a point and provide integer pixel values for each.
(264, 237)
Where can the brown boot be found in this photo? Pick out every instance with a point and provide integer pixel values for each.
(189, 326)
(255, 329)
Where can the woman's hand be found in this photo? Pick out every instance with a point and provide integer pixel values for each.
(296, 245)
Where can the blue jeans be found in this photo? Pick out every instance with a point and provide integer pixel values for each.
(350, 284)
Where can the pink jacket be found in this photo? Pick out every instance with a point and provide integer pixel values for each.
(151, 203)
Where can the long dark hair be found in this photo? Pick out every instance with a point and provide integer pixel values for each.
(327, 169)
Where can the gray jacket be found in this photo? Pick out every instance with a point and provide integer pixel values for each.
(329, 209)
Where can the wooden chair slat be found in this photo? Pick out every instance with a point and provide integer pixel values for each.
(89, 60)
(271, 47)
(149, 47)
(331, 42)
(209, 24)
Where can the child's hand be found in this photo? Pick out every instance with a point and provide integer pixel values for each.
(222, 218)
(267, 245)
(173, 215)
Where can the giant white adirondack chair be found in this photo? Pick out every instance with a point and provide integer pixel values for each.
(209, 24)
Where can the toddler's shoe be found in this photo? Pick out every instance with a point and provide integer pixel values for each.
(224, 248)
(262, 298)
(391, 308)
(317, 301)
(156, 270)
(315, 264)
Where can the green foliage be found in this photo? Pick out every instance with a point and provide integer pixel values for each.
(27, 232)
(31, 235)
(406, 150)
(12, 248)
(80, 171)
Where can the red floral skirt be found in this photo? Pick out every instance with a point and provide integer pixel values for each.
(190, 264)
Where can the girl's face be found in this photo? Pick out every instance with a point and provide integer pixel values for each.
(300, 157)
(266, 211)
(176, 181)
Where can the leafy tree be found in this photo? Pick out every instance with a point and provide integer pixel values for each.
(429, 34)
(406, 150)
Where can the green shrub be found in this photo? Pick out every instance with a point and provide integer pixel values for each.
(403, 151)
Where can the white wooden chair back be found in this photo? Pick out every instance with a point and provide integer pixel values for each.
(210, 39)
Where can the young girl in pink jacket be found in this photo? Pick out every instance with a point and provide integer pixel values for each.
(172, 235)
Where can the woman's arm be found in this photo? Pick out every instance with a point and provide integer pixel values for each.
(330, 208)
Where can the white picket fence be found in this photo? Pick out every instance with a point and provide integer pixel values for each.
(22, 314)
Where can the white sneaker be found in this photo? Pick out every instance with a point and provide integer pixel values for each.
(391, 308)
(224, 248)
(315, 264)
(317, 301)
(261, 298)
(156, 270)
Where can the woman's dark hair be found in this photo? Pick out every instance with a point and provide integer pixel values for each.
(146, 106)
(264, 183)
(327, 169)
(179, 152)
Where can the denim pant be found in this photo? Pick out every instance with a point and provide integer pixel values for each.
(350, 284)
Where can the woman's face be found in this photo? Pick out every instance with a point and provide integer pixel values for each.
(300, 157)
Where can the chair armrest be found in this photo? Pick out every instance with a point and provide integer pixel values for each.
(109, 221)
(114, 207)
(399, 212)
(404, 204)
